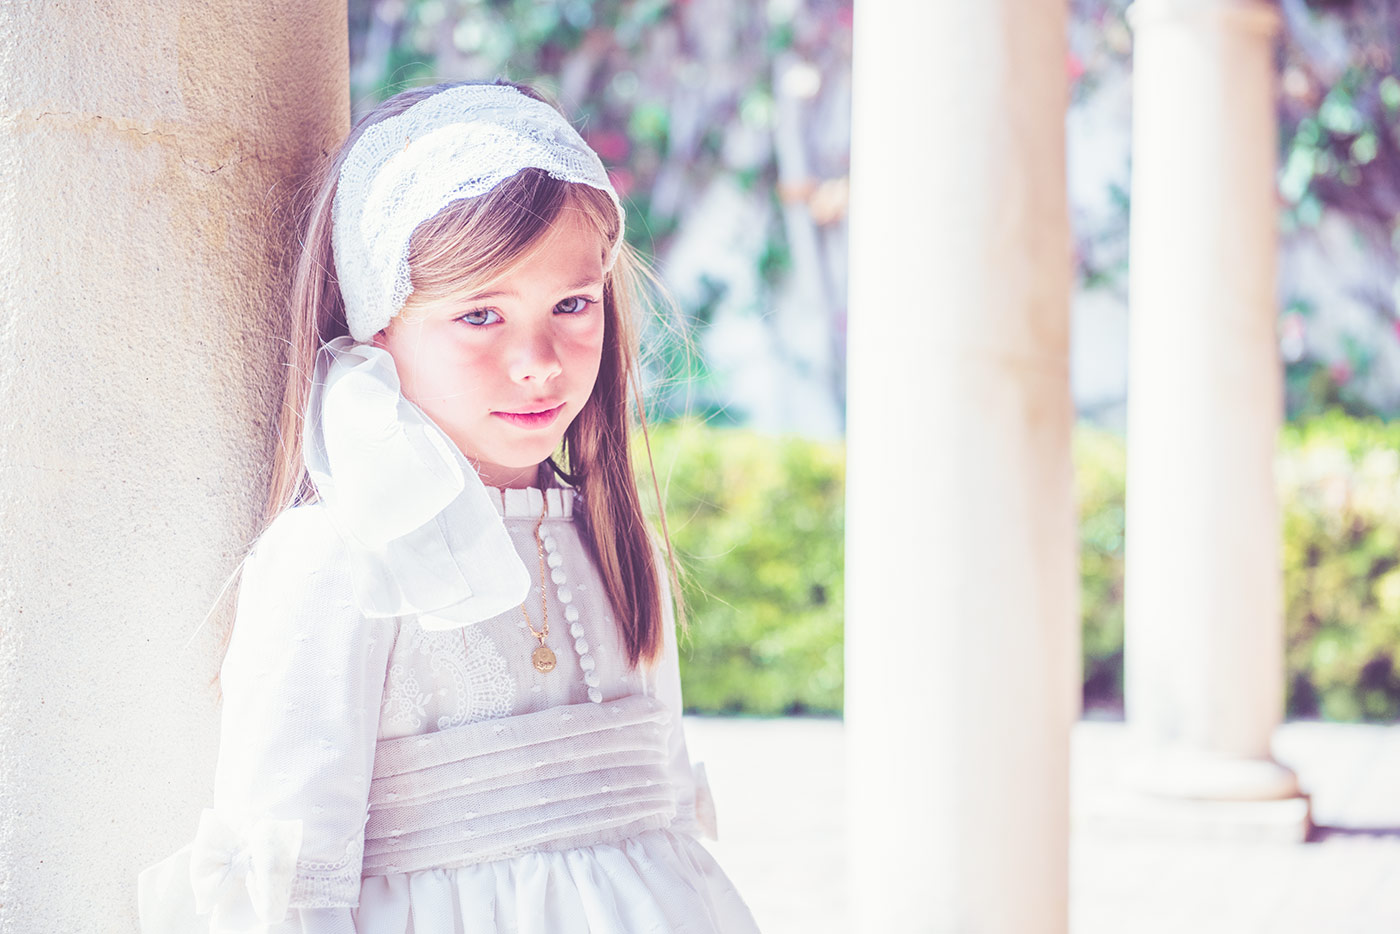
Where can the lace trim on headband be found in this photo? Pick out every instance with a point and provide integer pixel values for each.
(459, 143)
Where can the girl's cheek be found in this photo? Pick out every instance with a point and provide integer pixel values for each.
(450, 367)
(589, 336)
(585, 340)
(467, 348)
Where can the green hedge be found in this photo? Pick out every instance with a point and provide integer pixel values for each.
(758, 524)
(1340, 483)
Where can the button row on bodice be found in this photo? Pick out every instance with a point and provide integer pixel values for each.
(555, 561)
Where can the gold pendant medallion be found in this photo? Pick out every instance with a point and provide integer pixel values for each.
(543, 657)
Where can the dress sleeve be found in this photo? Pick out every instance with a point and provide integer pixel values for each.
(695, 808)
(280, 851)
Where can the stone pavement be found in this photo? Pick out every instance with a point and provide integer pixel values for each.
(779, 790)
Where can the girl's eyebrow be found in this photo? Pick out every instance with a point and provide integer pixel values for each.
(507, 293)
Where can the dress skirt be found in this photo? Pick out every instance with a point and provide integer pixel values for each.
(658, 882)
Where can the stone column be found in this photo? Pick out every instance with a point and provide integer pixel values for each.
(146, 151)
(1204, 641)
(962, 647)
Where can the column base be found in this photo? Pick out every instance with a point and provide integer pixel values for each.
(1188, 773)
(1126, 812)
(1191, 795)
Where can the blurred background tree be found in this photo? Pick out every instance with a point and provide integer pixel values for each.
(1339, 190)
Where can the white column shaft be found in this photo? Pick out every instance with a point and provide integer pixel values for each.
(1204, 640)
(961, 627)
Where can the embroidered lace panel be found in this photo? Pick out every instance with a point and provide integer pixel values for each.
(471, 677)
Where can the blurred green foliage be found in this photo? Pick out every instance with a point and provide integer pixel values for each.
(1099, 478)
(758, 524)
(1339, 479)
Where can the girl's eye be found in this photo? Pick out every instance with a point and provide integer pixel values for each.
(575, 305)
(477, 317)
(474, 316)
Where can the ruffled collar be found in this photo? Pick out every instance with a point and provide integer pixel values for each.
(526, 502)
(425, 535)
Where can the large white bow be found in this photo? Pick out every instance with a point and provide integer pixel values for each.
(423, 535)
(229, 860)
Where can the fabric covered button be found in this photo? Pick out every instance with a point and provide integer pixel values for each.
(557, 575)
(576, 630)
(571, 613)
(586, 663)
(591, 679)
(581, 645)
(595, 695)
(555, 559)
(565, 595)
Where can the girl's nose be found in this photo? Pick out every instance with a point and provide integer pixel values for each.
(535, 360)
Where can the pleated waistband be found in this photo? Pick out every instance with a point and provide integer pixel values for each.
(569, 776)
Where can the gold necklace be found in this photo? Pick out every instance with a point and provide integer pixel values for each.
(543, 656)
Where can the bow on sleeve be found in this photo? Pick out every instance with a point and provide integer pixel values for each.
(254, 860)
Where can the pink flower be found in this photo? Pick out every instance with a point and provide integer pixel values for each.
(610, 145)
(1340, 372)
(1075, 66)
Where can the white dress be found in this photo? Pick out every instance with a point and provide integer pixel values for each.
(388, 773)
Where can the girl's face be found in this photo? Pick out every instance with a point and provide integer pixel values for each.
(530, 342)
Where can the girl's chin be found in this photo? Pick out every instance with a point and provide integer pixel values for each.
(513, 458)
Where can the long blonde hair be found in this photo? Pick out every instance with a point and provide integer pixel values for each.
(471, 241)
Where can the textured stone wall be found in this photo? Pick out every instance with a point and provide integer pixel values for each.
(147, 152)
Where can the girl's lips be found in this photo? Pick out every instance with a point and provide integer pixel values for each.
(533, 419)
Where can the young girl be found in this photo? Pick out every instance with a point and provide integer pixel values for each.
(451, 701)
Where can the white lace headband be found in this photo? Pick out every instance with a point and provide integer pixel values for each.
(403, 170)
